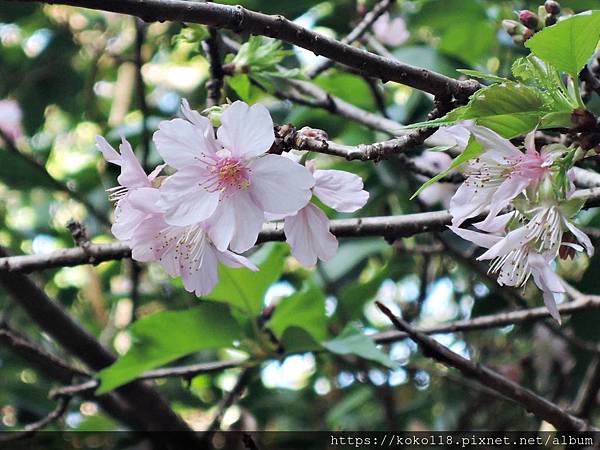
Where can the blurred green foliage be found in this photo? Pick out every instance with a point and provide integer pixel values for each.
(72, 72)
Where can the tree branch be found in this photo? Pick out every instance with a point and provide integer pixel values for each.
(389, 227)
(50, 317)
(214, 86)
(239, 19)
(28, 430)
(355, 34)
(530, 401)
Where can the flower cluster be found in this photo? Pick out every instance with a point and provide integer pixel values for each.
(536, 189)
(225, 187)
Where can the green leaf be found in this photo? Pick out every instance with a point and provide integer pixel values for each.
(166, 336)
(559, 119)
(240, 83)
(471, 151)
(245, 289)
(569, 44)
(353, 342)
(483, 75)
(304, 309)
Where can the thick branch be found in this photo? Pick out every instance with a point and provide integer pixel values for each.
(51, 318)
(389, 227)
(529, 400)
(239, 19)
(355, 34)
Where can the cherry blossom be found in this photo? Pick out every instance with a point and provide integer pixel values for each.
(392, 32)
(307, 232)
(135, 192)
(183, 251)
(437, 192)
(10, 119)
(498, 175)
(139, 219)
(228, 181)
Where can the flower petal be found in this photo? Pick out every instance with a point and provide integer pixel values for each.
(468, 202)
(234, 260)
(107, 150)
(236, 223)
(246, 131)
(509, 189)
(493, 142)
(181, 143)
(309, 237)
(280, 186)
(186, 202)
(342, 191)
(202, 278)
(514, 239)
(145, 199)
(581, 237)
(127, 219)
(481, 239)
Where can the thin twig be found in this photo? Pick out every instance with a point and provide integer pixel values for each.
(529, 400)
(231, 397)
(28, 430)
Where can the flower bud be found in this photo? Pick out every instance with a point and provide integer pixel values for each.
(528, 33)
(529, 19)
(583, 119)
(214, 114)
(550, 20)
(552, 7)
(589, 141)
(313, 133)
(512, 27)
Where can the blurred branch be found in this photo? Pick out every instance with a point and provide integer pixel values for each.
(150, 407)
(186, 372)
(587, 395)
(239, 19)
(212, 49)
(530, 401)
(229, 399)
(355, 34)
(140, 35)
(28, 430)
(10, 145)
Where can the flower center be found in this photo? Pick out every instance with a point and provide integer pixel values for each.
(227, 175)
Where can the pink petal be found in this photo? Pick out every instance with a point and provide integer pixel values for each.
(246, 131)
(145, 199)
(132, 172)
(512, 241)
(109, 153)
(184, 201)
(468, 202)
(127, 219)
(508, 190)
(342, 191)
(496, 224)
(280, 186)
(10, 119)
(545, 278)
(144, 247)
(309, 237)
(581, 237)
(492, 141)
(236, 223)
(181, 143)
(194, 116)
(203, 277)
(234, 260)
(481, 239)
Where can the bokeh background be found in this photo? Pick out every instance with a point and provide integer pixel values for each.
(73, 73)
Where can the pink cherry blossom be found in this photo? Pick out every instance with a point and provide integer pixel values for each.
(183, 251)
(136, 192)
(516, 264)
(10, 119)
(307, 232)
(390, 31)
(497, 176)
(228, 181)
